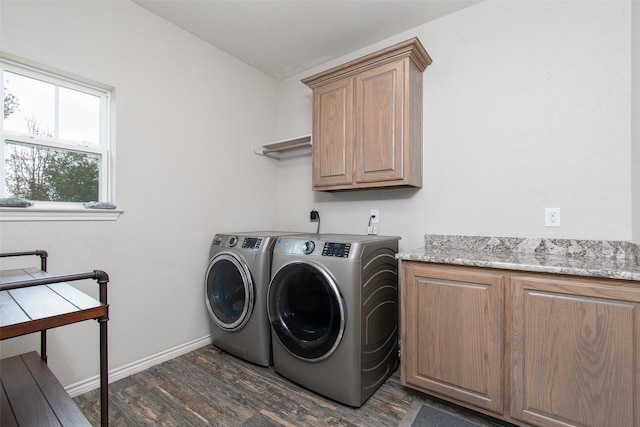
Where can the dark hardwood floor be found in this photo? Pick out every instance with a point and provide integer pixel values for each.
(211, 387)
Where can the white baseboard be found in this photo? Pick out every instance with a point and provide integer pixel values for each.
(137, 366)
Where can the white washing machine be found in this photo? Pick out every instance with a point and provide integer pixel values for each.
(236, 285)
(333, 308)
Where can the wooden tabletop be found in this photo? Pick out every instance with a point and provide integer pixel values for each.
(32, 309)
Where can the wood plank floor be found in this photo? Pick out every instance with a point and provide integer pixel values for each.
(211, 387)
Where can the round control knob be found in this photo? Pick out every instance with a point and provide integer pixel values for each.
(233, 241)
(308, 247)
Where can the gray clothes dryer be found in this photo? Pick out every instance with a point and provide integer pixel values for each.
(333, 308)
(236, 285)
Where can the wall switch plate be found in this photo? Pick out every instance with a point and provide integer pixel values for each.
(552, 217)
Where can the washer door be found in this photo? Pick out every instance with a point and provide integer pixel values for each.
(229, 291)
(306, 311)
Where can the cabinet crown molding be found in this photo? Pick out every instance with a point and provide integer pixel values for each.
(411, 49)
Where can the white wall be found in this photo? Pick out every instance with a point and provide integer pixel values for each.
(526, 106)
(187, 117)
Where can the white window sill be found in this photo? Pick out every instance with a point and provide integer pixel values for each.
(58, 214)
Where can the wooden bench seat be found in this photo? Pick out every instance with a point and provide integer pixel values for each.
(32, 396)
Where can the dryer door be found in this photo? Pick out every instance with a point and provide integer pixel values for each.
(229, 291)
(306, 311)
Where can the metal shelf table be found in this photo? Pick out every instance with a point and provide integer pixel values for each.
(32, 300)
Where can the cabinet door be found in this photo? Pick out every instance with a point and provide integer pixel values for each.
(379, 140)
(452, 333)
(333, 134)
(575, 351)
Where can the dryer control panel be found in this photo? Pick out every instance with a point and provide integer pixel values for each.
(336, 249)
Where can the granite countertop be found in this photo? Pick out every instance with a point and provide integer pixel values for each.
(591, 258)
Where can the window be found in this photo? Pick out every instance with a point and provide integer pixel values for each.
(55, 137)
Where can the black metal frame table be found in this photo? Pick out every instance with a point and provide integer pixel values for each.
(32, 300)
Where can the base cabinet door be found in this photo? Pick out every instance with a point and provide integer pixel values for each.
(452, 333)
(575, 351)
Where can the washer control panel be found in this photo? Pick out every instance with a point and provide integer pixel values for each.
(251, 243)
(336, 249)
(230, 241)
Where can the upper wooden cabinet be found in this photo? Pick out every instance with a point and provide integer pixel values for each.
(367, 120)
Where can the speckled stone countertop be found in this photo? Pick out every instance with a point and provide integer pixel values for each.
(591, 258)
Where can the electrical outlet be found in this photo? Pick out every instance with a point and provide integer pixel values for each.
(375, 214)
(552, 217)
(314, 217)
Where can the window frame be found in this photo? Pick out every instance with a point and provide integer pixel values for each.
(52, 210)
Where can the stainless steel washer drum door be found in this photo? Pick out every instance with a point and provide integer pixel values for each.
(229, 292)
(306, 311)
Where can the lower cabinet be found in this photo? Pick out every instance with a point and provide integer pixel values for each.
(575, 350)
(532, 349)
(453, 333)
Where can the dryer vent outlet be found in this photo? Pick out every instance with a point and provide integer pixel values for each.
(314, 216)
